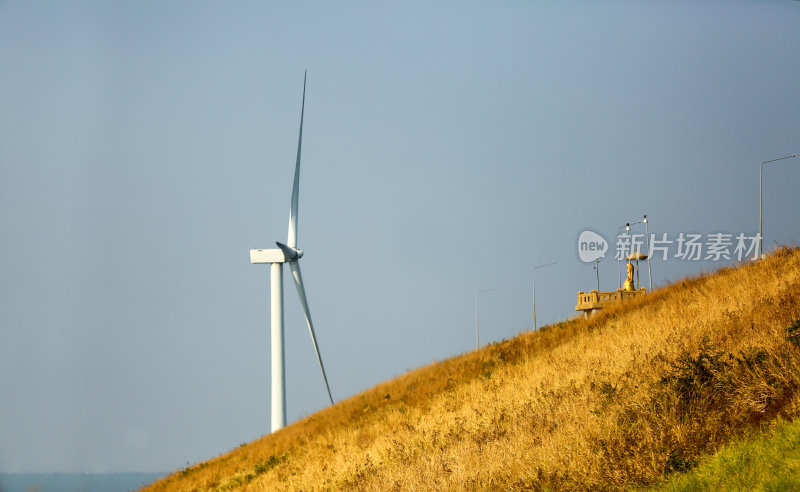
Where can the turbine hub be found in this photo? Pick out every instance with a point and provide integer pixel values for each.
(290, 253)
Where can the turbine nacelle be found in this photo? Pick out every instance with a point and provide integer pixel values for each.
(267, 256)
(282, 255)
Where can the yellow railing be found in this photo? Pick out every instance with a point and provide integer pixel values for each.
(588, 301)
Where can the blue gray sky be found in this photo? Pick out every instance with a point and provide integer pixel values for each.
(145, 147)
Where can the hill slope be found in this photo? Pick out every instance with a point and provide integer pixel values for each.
(618, 400)
(764, 461)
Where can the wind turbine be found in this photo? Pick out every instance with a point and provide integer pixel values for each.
(286, 253)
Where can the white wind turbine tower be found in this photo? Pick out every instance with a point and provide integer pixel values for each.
(286, 253)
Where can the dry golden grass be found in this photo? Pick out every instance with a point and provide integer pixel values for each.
(611, 402)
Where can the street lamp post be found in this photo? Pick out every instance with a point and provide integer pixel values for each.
(627, 227)
(534, 289)
(649, 271)
(761, 200)
(477, 336)
(596, 267)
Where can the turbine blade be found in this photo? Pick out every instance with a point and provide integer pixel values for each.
(292, 240)
(301, 292)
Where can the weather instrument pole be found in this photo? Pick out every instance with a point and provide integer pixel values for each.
(477, 333)
(761, 200)
(533, 277)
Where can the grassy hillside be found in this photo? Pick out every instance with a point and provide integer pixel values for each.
(623, 399)
(764, 461)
